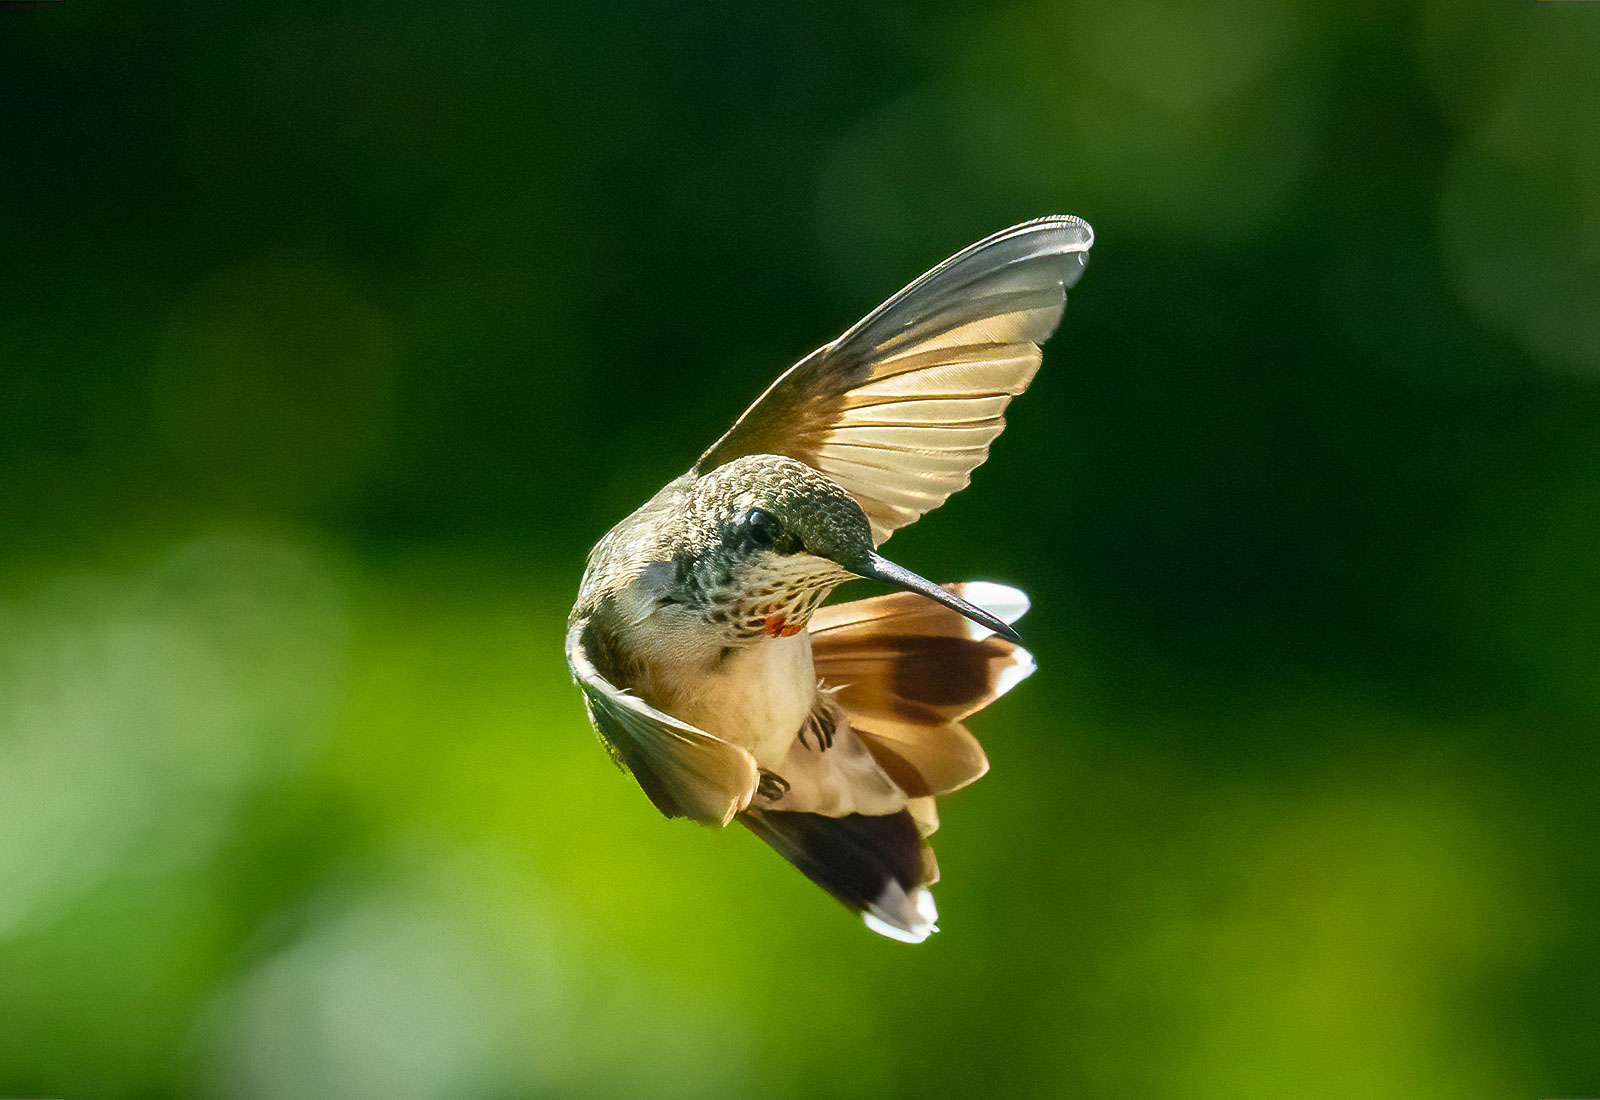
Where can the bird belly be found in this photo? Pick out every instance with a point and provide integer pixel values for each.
(757, 697)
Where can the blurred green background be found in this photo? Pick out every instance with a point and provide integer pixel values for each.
(333, 335)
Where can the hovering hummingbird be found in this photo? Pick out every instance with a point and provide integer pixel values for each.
(707, 664)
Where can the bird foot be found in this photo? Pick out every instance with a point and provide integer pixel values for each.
(771, 786)
(821, 726)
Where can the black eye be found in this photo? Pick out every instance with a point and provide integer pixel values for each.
(761, 527)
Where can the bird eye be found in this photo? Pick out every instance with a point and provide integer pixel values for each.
(762, 527)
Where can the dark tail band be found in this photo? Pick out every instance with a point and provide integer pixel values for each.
(873, 864)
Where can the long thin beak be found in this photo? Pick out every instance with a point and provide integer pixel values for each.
(882, 569)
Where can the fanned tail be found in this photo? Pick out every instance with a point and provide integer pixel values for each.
(906, 671)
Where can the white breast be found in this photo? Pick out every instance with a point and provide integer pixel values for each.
(757, 697)
(755, 694)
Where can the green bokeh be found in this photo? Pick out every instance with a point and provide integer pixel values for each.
(333, 335)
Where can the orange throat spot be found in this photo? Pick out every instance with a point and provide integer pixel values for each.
(779, 627)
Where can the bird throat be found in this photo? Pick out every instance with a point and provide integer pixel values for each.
(769, 595)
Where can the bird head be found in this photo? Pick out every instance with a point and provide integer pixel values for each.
(782, 527)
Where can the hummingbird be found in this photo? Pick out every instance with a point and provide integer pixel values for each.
(710, 667)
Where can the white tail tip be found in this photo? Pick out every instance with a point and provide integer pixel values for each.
(921, 928)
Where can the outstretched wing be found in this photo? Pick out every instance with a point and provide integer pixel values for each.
(685, 771)
(902, 408)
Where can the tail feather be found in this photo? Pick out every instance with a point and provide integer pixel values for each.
(906, 671)
(912, 614)
(923, 760)
(872, 863)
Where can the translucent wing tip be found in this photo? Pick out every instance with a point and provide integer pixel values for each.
(1066, 234)
(1080, 232)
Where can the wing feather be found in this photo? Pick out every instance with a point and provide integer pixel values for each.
(686, 771)
(940, 360)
